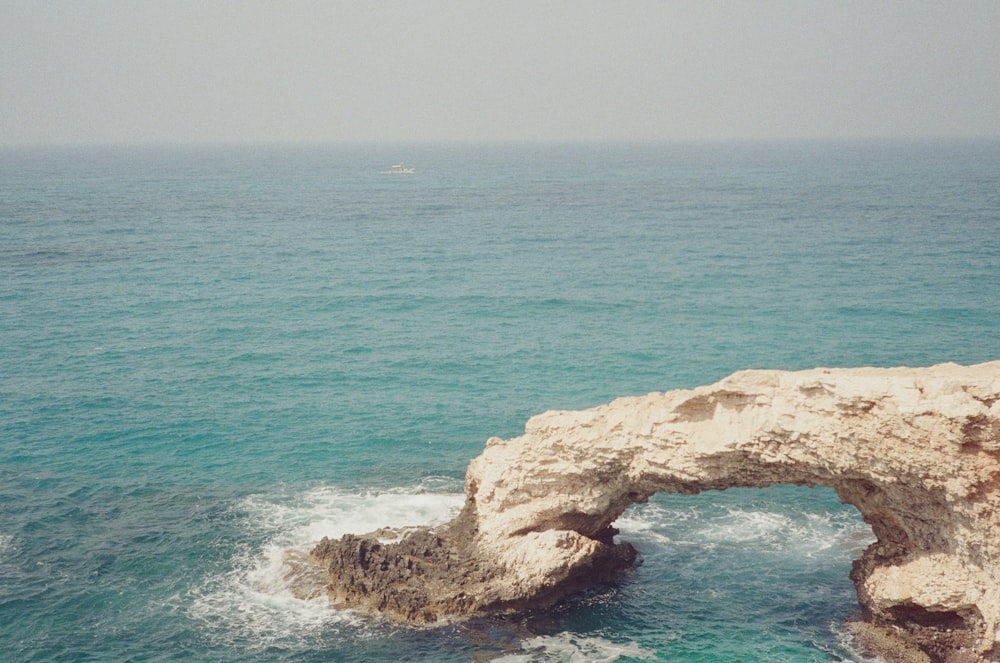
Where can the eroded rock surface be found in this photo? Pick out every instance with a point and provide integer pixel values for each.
(917, 451)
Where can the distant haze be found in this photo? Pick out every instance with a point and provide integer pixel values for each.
(249, 71)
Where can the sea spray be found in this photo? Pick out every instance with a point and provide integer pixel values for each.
(257, 600)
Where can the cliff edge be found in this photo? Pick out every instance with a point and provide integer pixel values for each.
(916, 450)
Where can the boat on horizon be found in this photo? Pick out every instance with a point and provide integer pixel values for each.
(399, 169)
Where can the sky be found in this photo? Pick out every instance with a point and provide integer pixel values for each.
(322, 71)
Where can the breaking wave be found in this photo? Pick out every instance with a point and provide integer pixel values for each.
(270, 594)
(574, 648)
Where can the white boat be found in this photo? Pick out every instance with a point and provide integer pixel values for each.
(399, 169)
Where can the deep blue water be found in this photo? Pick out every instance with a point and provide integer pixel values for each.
(211, 355)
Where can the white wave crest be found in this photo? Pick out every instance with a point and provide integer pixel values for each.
(327, 511)
(806, 534)
(264, 597)
(573, 648)
(7, 547)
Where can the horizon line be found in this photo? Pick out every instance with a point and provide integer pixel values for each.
(898, 138)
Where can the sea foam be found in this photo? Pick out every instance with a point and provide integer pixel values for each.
(573, 648)
(6, 548)
(256, 601)
(802, 533)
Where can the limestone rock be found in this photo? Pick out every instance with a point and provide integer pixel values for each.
(916, 450)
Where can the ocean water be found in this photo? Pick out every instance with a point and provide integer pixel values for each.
(211, 355)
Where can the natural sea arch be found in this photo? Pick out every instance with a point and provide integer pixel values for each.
(916, 451)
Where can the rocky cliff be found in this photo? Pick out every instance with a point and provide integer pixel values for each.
(917, 451)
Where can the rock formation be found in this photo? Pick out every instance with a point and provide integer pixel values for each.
(917, 451)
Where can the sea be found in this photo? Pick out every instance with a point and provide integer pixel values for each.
(213, 355)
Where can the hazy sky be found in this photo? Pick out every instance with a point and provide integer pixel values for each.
(135, 71)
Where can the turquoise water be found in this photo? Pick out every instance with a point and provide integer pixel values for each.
(212, 355)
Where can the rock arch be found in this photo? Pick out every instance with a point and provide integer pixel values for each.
(917, 451)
